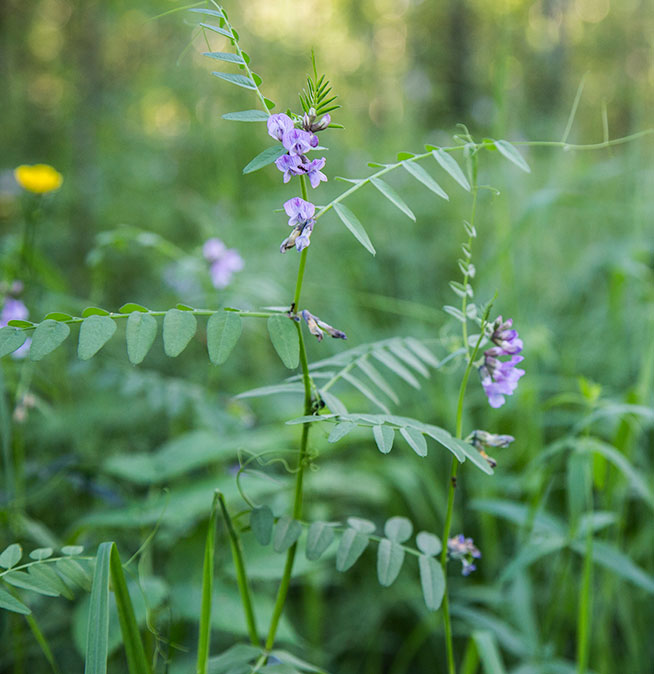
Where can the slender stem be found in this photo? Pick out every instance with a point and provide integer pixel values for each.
(304, 442)
(585, 600)
(241, 575)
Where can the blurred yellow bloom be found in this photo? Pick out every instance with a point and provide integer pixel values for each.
(39, 178)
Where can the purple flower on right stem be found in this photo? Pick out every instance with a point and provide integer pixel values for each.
(464, 549)
(500, 377)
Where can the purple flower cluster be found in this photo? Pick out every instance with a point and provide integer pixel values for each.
(14, 309)
(297, 143)
(464, 549)
(300, 217)
(316, 327)
(223, 262)
(500, 377)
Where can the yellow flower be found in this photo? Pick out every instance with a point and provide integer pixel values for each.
(39, 178)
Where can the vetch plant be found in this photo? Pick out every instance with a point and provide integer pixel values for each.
(491, 346)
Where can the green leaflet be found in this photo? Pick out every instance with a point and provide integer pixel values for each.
(11, 556)
(384, 436)
(415, 439)
(237, 79)
(418, 172)
(223, 331)
(47, 337)
(432, 582)
(247, 116)
(94, 333)
(398, 529)
(284, 337)
(268, 156)
(390, 557)
(393, 196)
(319, 538)
(178, 329)
(351, 547)
(10, 340)
(352, 223)
(261, 523)
(140, 333)
(511, 153)
(340, 431)
(10, 603)
(225, 56)
(287, 531)
(448, 163)
(28, 582)
(428, 543)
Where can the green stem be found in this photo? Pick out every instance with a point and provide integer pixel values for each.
(241, 575)
(585, 601)
(299, 476)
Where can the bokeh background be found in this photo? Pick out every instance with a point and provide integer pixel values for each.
(121, 101)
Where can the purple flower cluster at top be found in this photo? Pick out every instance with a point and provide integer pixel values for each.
(500, 377)
(464, 549)
(223, 262)
(14, 310)
(297, 142)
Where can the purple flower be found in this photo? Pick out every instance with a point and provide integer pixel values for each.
(464, 549)
(299, 211)
(213, 249)
(13, 310)
(290, 165)
(314, 172)
(505, 337)
(278, 125)
(500, 378)
(224, 262)
(304, 239)
(310, 123)
(299, 142)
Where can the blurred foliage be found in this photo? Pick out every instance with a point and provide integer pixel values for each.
(123, 105)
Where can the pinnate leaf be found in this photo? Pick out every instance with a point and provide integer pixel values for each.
(398, 529)
(418, 172)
